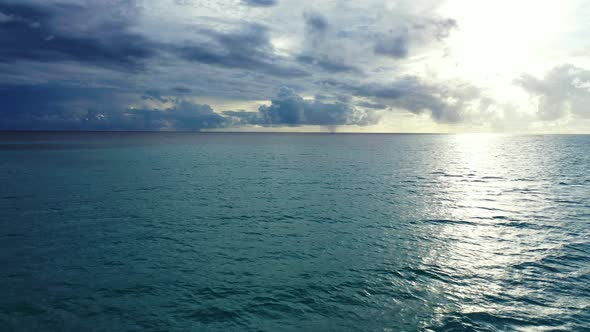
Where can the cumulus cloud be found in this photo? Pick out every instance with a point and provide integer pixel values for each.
(290, 109)
(564, 90)
(185, 116)
(60, 107)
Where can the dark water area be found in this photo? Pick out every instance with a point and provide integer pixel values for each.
(294, 232)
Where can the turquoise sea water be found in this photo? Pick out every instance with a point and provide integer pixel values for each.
(294, 232)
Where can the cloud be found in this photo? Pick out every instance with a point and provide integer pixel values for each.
(564, 90)
(53, 33)
(185, 115)
(260, 3)
(248, 48)
(329, 65)
(395, 46)
(155, 95)
(61, 107)
(122, 61)
(67, 107)
(315, 23)
(50, 106)
(353, 39)
(181, 90)
(368, 104)
(448, 102)
(318, 46)
(396, 43)
(290, 109)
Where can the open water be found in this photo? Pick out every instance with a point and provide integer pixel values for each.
(294, 232)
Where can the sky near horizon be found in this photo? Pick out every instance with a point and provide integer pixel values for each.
(283, 65)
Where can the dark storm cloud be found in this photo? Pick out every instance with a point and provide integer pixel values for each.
(64, 107)
(59, 107)
(290, 109)
(39, 99)
(260, 3)
(184, 116)
(248, 48)
(49, 106)
(564, 90)
(53, 32)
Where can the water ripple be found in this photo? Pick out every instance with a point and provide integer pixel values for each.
(229, 232)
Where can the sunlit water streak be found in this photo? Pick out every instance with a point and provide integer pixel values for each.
(273, 232)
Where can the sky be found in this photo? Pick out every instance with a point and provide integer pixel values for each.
(426, 66)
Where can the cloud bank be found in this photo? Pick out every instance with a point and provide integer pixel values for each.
(290, 109)
(138, 65)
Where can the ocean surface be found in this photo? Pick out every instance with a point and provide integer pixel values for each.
(294, 232)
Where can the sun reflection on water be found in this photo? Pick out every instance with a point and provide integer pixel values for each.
(478, 233)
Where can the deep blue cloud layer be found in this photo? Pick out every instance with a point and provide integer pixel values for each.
(59, 107)
(31, 33)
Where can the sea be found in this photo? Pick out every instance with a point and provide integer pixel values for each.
(107, 231)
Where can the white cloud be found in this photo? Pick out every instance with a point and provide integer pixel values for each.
(564, 91)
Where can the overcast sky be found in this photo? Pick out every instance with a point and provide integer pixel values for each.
(336, 65)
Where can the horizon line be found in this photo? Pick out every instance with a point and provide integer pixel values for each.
(282, 132)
